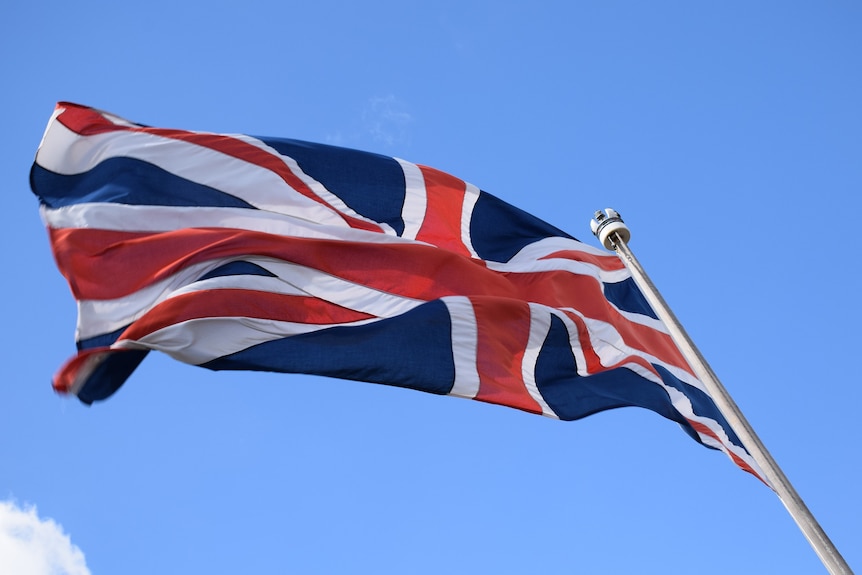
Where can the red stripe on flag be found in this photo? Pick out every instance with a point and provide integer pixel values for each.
(134, 260)
(240, 303)
(607, 263)
(594, 363)
(503, 334)
(445, 198)
(85, 121)
(704, 430)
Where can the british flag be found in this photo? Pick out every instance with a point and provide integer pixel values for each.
(239, 252)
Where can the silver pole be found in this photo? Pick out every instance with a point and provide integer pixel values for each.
(614, 235)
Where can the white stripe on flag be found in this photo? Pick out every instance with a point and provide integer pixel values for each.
(574, 341)
(465, 341)
(471, 196)
(415, 199)
(534, 257)
(341, 292)
(201, 340)
(124, 217)
(540, 324)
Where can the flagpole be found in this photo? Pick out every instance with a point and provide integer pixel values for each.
(608, 226)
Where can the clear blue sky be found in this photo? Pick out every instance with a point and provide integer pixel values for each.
(728, 134)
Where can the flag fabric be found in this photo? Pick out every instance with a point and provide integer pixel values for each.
(239, 252)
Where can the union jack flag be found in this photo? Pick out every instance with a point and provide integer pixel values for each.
(239, 252)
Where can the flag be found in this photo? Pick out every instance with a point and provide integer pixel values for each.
(238, 252)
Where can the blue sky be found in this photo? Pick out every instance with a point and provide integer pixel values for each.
(729, 136)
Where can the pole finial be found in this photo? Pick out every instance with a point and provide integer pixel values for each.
(605, 224)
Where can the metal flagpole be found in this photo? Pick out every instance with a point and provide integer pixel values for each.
(614, 235)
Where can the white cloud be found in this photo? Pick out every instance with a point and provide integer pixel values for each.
(383, 121)
(387, 120)
(32, 546)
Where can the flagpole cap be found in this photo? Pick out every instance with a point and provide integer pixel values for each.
(605, 224)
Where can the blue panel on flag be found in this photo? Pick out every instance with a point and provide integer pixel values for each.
(102, 340)
(111, 374)
(498, 230)
(371, 184)
(411, 350)
(702, 404)
(127, 181)
(239, 268)
(627, 297)
(573, 397)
